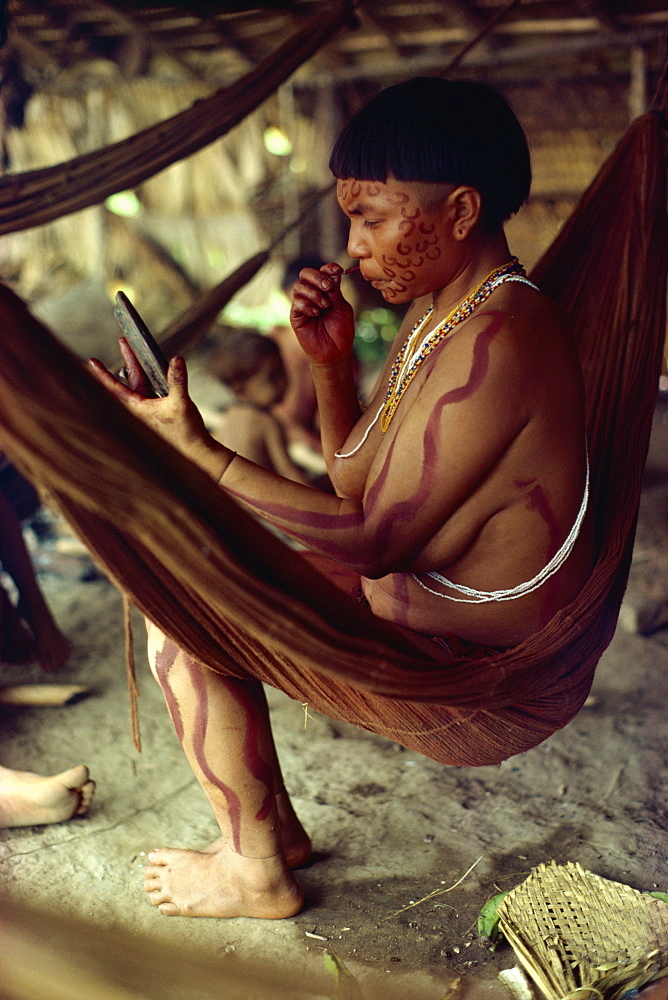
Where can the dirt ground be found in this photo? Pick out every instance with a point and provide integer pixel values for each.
(389, 827)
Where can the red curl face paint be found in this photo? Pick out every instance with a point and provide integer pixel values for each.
(399, 243)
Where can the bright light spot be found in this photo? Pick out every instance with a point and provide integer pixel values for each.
(276, 141)
(275, 311)
(118, 285)
(298, 164)
(125, 203)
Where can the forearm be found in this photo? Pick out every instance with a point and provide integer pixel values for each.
(338, 404)
(323, 523)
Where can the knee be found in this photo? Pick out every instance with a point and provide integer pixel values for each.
(157, 642)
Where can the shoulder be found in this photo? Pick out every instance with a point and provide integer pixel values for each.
(518, 322)
(516, 342)
(416, 311)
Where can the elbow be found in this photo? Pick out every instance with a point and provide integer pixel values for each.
(371, 571)
(373, 566)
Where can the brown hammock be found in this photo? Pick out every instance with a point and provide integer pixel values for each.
(235, 598)
(38, 196)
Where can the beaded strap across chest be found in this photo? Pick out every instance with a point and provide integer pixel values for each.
(415, 350)
(470, 595)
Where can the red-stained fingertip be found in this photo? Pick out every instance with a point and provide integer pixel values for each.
(177, 368)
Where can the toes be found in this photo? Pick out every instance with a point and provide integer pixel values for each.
(86, 793)
(156, 858)
(169, 909)
(154, 871)
(75, 777)
(158, 896)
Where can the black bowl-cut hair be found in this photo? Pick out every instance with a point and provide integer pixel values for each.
(444, 131)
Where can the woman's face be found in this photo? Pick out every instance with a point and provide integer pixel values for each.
(404, 248)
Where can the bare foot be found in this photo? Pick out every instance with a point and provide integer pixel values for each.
(295, 840)
(28, 799)
(221, 884)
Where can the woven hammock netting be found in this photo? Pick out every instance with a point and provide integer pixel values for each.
(238, 600)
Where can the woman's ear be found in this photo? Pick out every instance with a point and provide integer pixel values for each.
(466, 208)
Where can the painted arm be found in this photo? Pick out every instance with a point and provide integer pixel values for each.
(435, 454)
(324, 325)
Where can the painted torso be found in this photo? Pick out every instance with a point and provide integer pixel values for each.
(513, 363)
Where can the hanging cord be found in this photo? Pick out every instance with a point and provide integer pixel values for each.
(130, 673)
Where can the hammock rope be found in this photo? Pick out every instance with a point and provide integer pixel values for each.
(234, 597)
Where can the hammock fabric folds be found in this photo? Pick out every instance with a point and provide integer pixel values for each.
(234, 597)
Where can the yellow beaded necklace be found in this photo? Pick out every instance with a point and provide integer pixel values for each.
(412, 354)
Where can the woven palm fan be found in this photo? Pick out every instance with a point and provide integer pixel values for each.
(579, 935)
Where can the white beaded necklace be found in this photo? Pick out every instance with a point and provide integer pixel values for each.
(411, 357)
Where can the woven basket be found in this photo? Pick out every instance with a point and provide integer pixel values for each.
(582, 936)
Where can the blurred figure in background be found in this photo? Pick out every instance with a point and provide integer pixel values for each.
(28, 632)
(298, 409)
(251, 366)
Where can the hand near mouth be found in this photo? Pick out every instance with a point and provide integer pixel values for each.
(321, 317)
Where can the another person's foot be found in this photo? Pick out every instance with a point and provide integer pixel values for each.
(295, 840)
(221, 884)
(28, 799)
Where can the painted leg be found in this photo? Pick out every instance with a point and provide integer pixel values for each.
(223, 726)
(295, 841)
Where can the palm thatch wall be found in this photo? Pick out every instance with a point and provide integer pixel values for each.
(198, 219)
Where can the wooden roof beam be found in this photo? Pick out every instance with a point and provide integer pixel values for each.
(365, 16)
(224, 37)
(465, 15)
(600, 9)
(536, 51)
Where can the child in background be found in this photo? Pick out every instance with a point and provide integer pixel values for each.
(298, 408)
(251, 366)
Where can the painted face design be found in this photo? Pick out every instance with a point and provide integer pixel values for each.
(400, 245)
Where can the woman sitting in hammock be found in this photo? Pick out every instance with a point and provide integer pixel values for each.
(461, 489)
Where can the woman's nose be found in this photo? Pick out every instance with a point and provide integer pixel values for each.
(356, 245)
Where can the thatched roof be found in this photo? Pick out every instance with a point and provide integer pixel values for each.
(217, 41)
